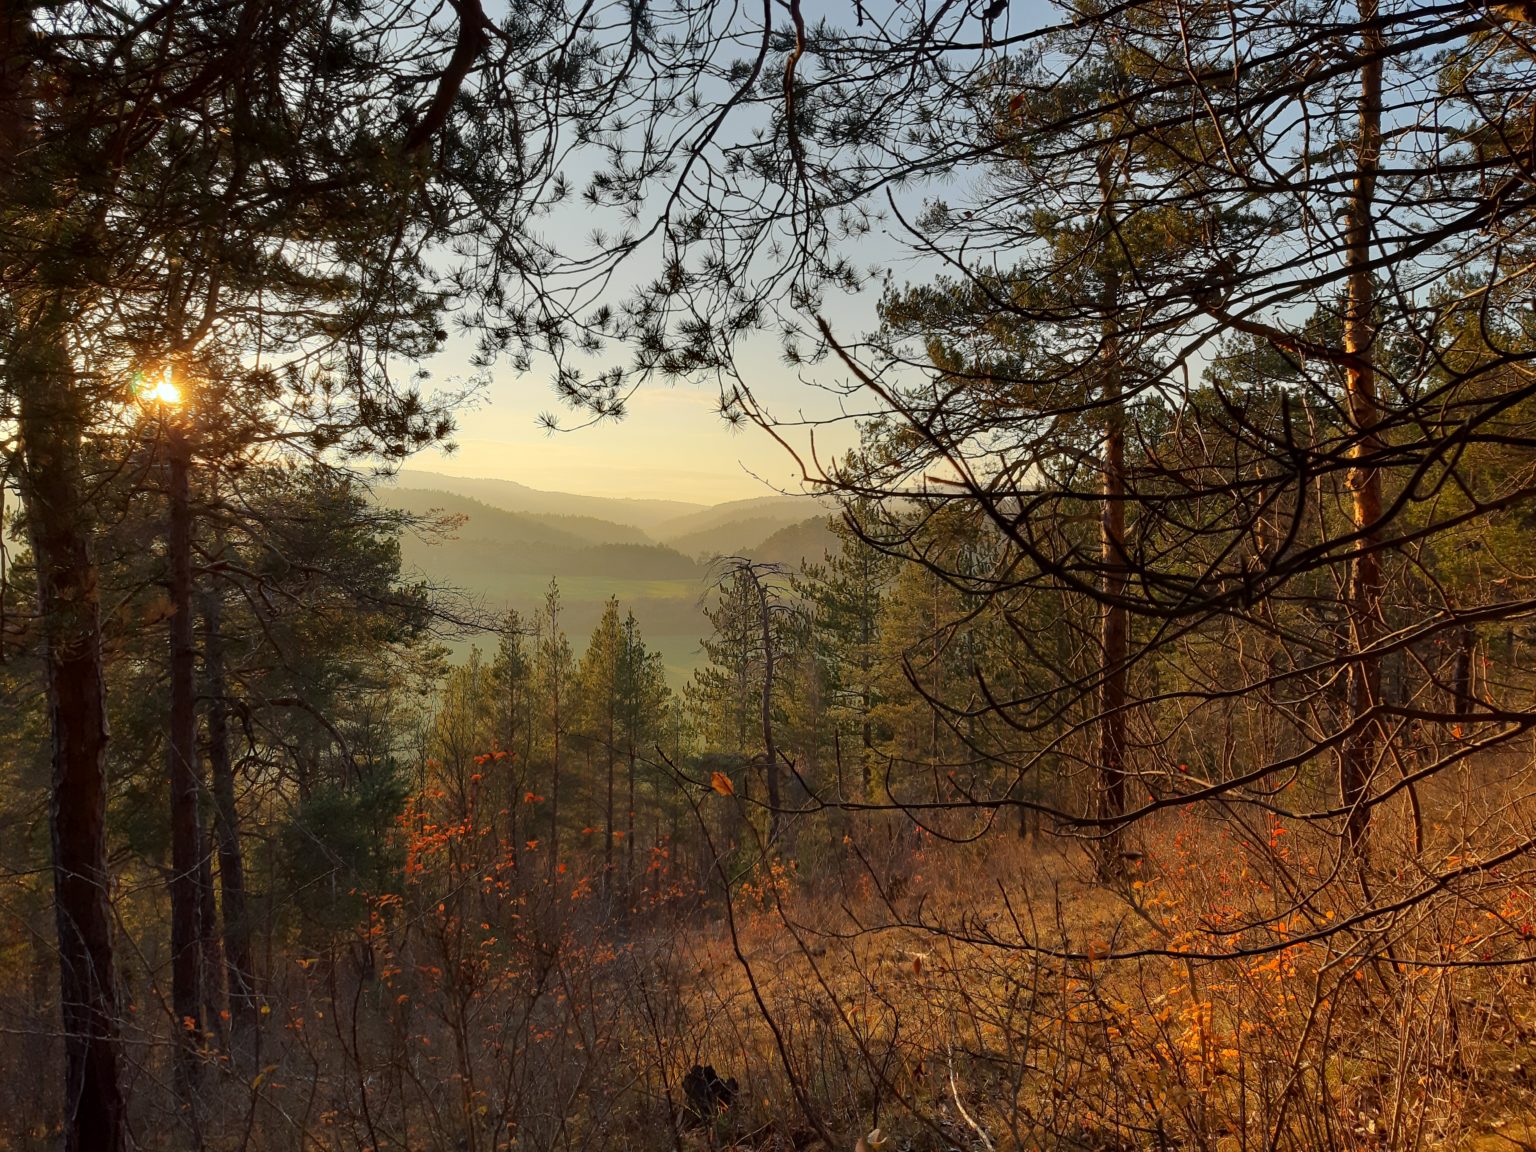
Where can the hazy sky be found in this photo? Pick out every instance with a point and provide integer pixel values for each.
(672, 445)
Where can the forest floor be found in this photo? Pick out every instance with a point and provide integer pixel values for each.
(1000, 997)
(1229, 991)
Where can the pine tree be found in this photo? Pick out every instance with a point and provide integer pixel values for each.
(735, 695)
(645, 712)
(514, 710)
(846, 594)
(554, 672)
(598, 688)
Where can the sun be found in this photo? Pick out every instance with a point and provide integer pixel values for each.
(162, 390)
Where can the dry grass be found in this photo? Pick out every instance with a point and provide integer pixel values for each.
(1229, 993)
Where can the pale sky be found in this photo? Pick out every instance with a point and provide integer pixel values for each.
(672, 445)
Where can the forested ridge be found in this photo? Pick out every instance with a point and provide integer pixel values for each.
(1124, 742)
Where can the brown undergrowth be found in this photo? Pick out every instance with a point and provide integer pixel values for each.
(1243, 985)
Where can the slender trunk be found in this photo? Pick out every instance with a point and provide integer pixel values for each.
(528, 729)
(515, 767)
(1115, 626)
(524, 773)
(232, 896)
(1365, 582)
(186, 849)
(50, 423)
(211, 990)
(608, 828)
(554, 791)
(1068, 671)
(935, 655)
(514, 773)
(867, 752)
(867, 618)
(629, 821)
(1461, 685)
(212, 958)
(770, 753)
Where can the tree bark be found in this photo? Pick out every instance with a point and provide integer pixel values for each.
(1461, 687)
(50, 422)
(770, 752)
(1115, 630)
(232, 894)
(1365, 581)
(552, 609)
(608, 824)
(516, 762)
(186, 839)
(211, 958)
(629, 820)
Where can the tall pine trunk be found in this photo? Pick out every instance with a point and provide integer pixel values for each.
(770, 752)
(1115, 626)
(1461, 683)
(608, 827)
(554, 786)
(629, 820)
(1365, 581)
(211, 958)
(50, 422)
(232, 895)
(182, 765)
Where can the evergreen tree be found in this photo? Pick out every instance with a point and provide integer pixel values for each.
(554, 673)
(846, 594)
(599, 689)
(735, 696)
(514, 709)
(645, 715)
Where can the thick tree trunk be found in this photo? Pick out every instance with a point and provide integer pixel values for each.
(186, 845)
(1365, 582)
(232, 895)
(50, 423)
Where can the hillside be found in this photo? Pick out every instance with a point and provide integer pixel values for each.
(510, 496)
(773, 512)
(503, 555)
(810, 539)
(482, 521)
(739, 537)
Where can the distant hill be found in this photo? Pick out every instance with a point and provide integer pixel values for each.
(489, 544)
(734, 538)
(494, 522)
(513, 497)
(810, 539)
(480, 520)
(508, 540)
(779, 511)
